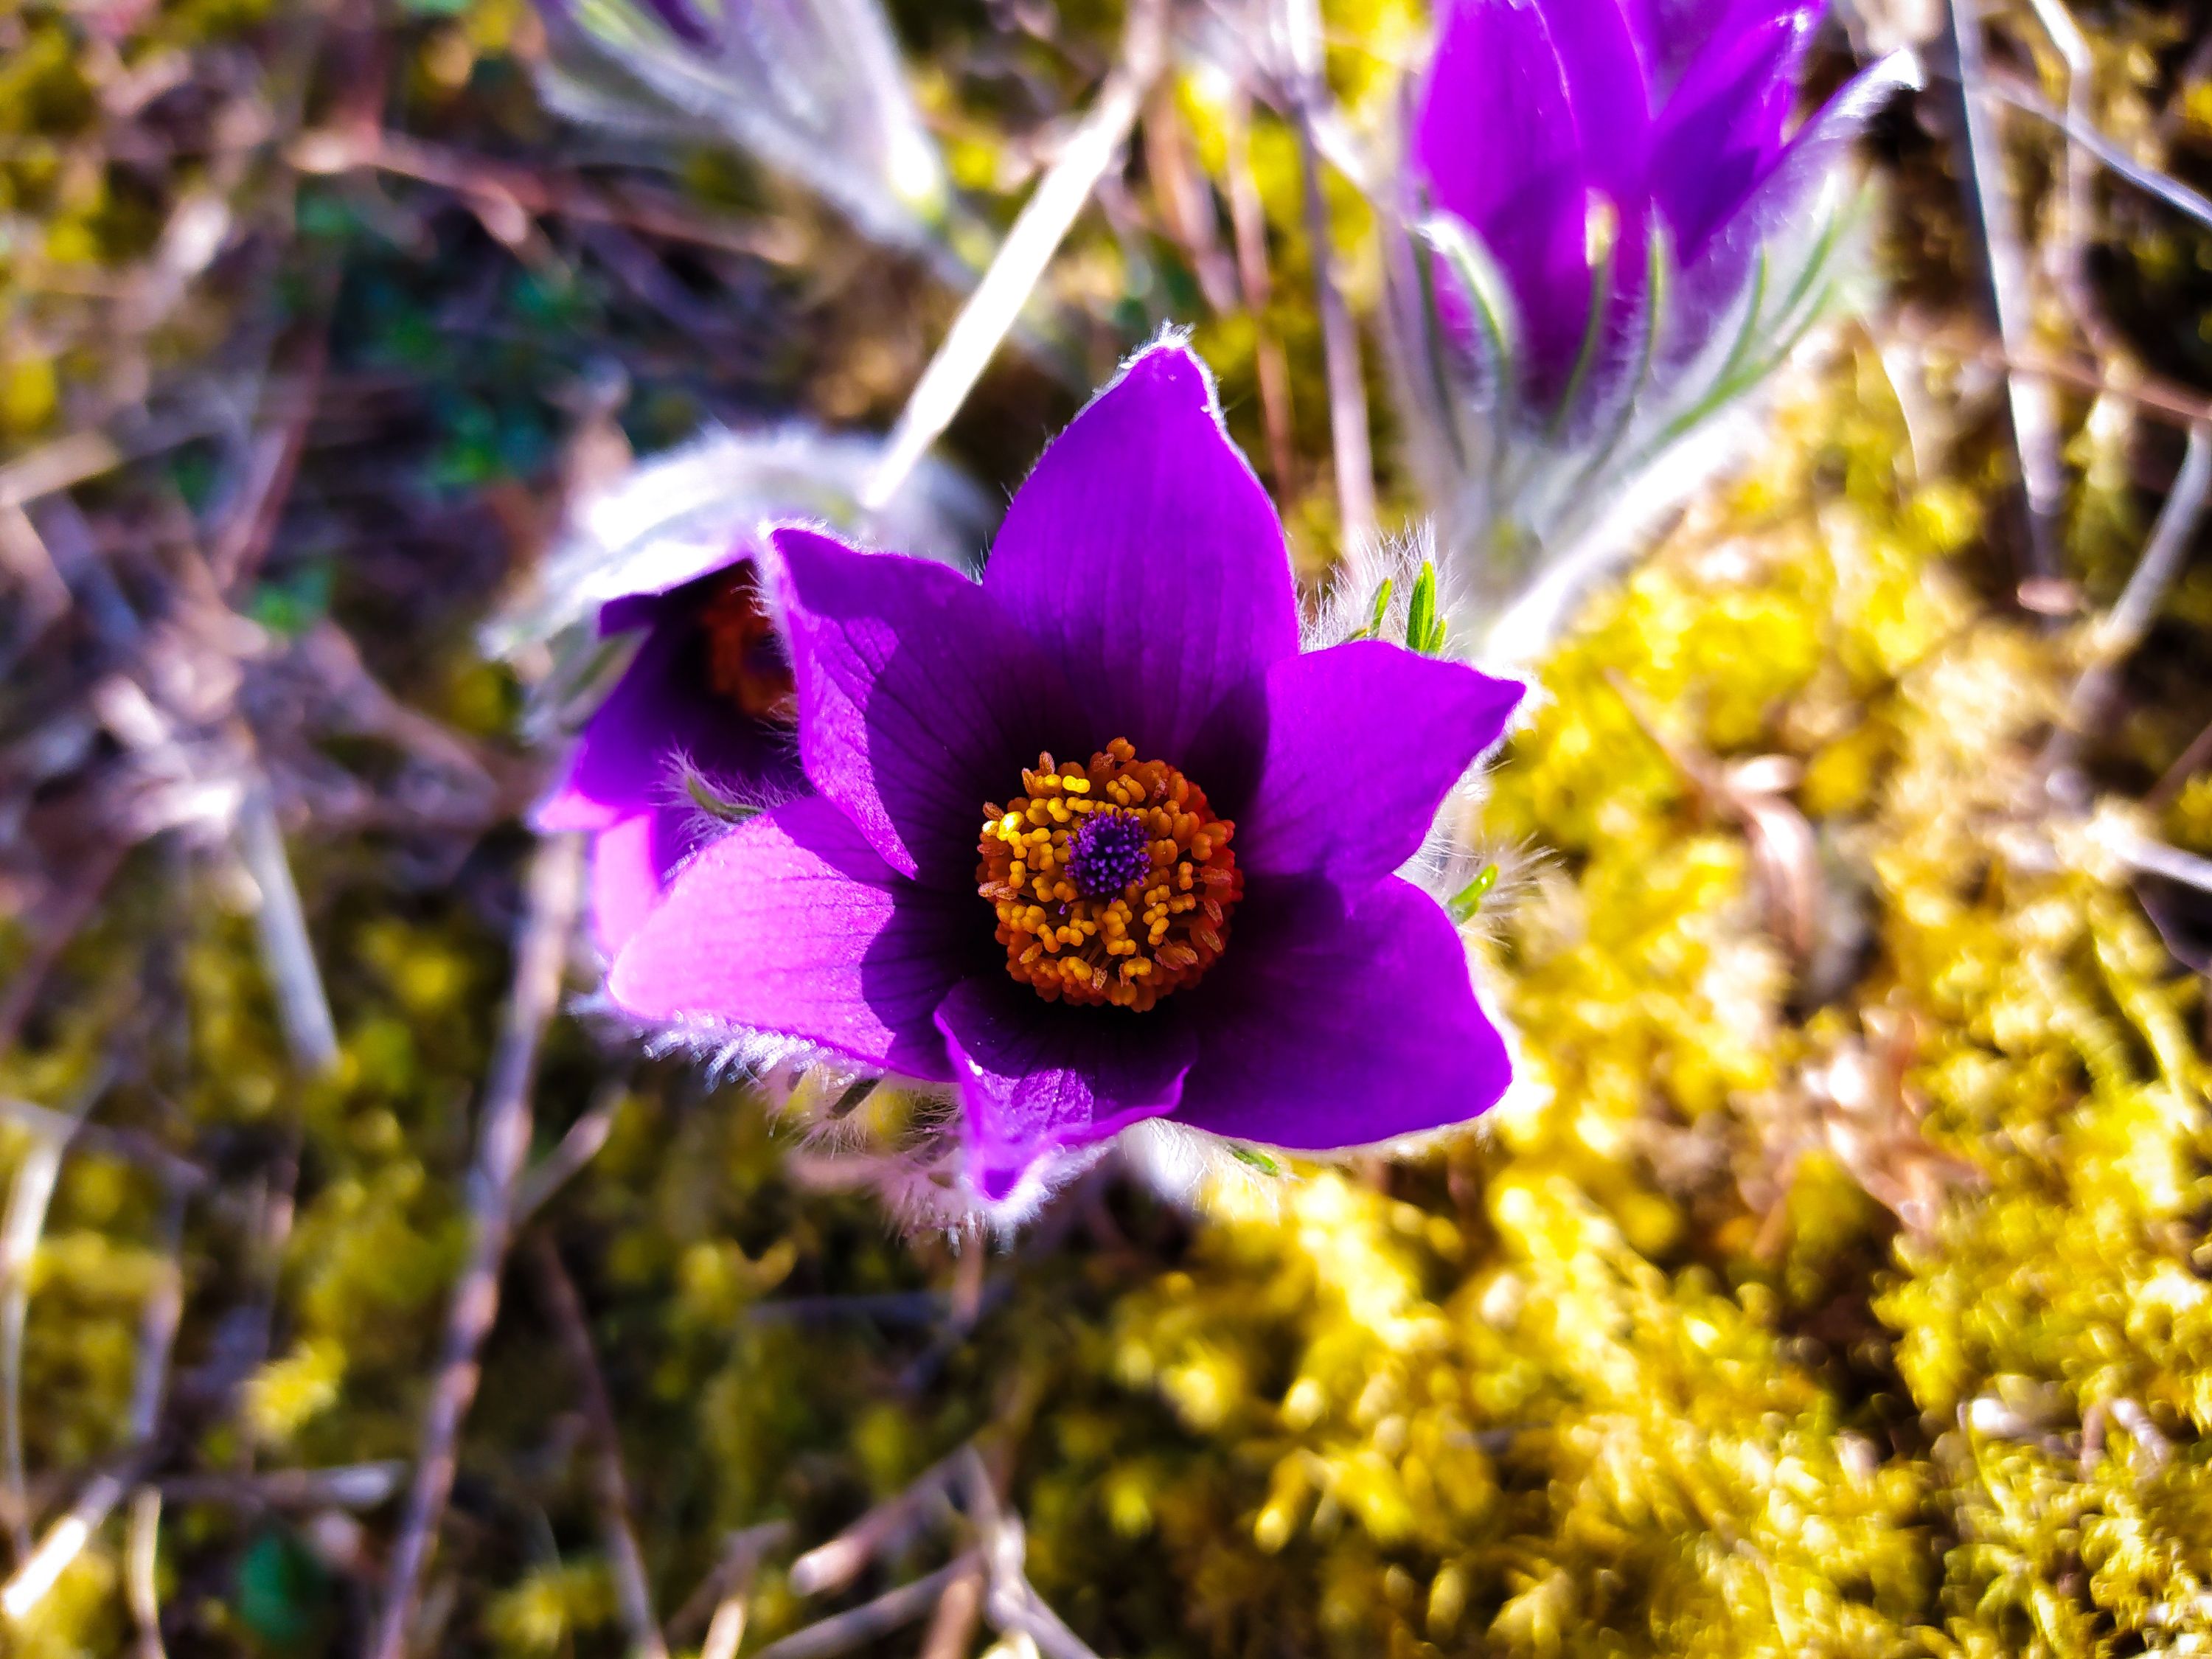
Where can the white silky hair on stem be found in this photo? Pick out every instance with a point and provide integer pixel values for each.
(1534, 507)
(814, 90)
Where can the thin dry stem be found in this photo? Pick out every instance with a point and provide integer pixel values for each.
(303, 1006)
(29, 1194)
(506, 194)
(2034, 412)
(578, 1147)
(610, 1486)
(142, 1557)
(887, 1613)
(2122, 629)
(556, 884)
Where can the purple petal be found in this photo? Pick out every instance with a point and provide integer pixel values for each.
(1037, 1079)
(1722, 128)
(1144, 556)
(1528, 110)
(1709, 283)
(659, 715)
(627, 880)
(919, 699)
(1337, 1031)
(1363, 742)
(632, 861)
(791, 924)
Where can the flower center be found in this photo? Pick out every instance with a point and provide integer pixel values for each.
(1112, 881)
(746, 665)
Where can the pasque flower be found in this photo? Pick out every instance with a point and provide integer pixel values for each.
(660, 564)
(1565, 133)
(701, 716)
(1624, 238)
(1092, 841)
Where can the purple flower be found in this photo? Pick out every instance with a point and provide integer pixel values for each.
(1093, 840)
(1563, 132)
(706, 696)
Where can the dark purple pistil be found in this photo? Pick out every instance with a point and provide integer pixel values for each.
(1108, 851)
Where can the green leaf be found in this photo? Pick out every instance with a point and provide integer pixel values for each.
(1374, 628)
(1465, 903)
(1426, 627)
(1255, 1158)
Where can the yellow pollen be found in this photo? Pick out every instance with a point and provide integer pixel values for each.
(1129, 946)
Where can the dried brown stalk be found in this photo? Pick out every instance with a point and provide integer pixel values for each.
(887, 1612)
(555, 888)
(610, 1486)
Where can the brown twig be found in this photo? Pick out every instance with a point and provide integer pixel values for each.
(952, 1633)
(1185, 202)
(2172, 403)
(501, 188)
(730, 1576)
(831, 1566)
(578, 1147)
(30, 1194)
(610, 1486)
(342, 1486)
(65, 1539)
(2121, 629)
(280, 923)
(131, 1145)
(871, 1620)
(1010, 1601)
(502, 1141)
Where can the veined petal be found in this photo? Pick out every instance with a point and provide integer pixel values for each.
(792, 924)
(1363, 742)
(1528, 110)
(627, 878)
(1144, 557)
(1037, 1078)
(1710, 281)
(1722, 128)
(1341, 1029)
(919, 699)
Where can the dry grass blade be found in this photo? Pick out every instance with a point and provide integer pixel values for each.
(2034, 412)
(303, 1006)
(2078, 131)
(29, 1194)
(1045, 220)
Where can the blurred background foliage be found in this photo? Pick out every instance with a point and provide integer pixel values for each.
(1838, 1283)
